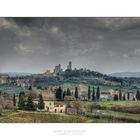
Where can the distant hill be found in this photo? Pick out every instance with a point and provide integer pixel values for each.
(126, 74)
(17, 74)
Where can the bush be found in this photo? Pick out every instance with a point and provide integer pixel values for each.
(8, 104)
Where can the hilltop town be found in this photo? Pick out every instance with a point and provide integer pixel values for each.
(70, 91)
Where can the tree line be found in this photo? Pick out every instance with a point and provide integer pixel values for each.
(26, 102)
(92, 95)
(124, 97)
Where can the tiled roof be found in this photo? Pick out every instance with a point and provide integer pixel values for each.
(69, 98)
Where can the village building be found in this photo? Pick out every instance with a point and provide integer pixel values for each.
(69, 98)
(3, 79)
(105, 96)
(69, 67)
(48, 73)
(57, 70)
(52, 106)
(59, 107)
(21, 82)
(83, 96)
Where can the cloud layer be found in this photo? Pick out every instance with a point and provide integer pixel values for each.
(36, 44)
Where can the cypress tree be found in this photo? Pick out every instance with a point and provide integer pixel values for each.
(21, 102)
(93, 94)
(76, 92)
(138, 95)
(14, 100)
(98, 93)
(123, 97)
(120, 95)
(128, 96)
(89, 93)
(68, 92)
(115, 97)
(30, 87)
(58, 93)
(64, 94)
(72, 93)
(41, 102)
(30, 104)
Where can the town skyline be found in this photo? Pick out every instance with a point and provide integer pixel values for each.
(63, 68)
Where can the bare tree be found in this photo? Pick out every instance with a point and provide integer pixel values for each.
(77, 106)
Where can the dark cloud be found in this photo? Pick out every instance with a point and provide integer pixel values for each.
(37, 44)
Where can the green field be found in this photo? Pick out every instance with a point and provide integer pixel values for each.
(115, 116)
(11, 89)
(108, 104)
(72, 85)
(124, 111)
(42, 117)
(103, 112)
(103, 88)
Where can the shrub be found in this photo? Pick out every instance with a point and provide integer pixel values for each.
(8, 104)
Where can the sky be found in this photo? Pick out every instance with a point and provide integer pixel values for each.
(34, 45)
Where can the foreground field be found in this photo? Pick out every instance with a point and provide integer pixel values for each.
(124, 111)
(39, 117)
(102, 112)
(115, 116)
(120, 106)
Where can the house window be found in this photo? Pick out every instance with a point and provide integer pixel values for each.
(57, 105)
(61, 105)
(49, 103)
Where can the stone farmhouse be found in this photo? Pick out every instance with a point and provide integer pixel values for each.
(52, 106)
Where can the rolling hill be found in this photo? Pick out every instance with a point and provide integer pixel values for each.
(126, 74)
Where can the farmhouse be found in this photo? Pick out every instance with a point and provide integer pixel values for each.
(59, 107)
(3, 79)
(52, 106)
(21, 82)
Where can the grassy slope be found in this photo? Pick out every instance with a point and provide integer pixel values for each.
(97, 116)
(119, 103)
(108, 104)
(125, 111)
(11, 89)
(113, 115)
(15, 89)
(39, 117)
(103, 88)
(72, 86)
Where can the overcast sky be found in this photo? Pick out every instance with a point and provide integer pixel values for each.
(102, 44)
